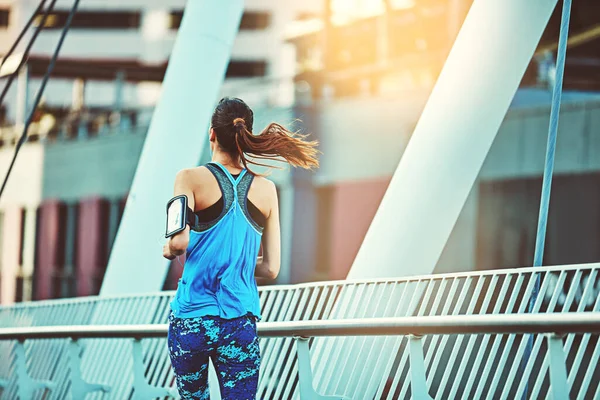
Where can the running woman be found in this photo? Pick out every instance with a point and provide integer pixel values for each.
(216, 306)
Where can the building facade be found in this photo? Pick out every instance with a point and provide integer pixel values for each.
(66, 195)
(62, 206)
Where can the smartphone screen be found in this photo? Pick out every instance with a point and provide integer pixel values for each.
(175, 216)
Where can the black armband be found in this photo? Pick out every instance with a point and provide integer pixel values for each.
(179, 215)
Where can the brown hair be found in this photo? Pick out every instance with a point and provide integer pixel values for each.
(232, 123)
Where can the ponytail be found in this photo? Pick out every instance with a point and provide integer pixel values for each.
(274, 143)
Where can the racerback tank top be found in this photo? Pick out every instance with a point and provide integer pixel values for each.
(218, 276)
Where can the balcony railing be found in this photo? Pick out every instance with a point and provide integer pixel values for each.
(77, 125)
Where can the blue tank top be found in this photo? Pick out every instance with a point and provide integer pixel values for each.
(218, 276)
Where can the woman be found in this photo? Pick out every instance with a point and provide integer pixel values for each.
(216, 307)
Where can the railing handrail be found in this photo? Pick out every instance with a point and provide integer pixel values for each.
(358, 281)
(559, 323)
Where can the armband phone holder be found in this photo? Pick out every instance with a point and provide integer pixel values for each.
(178, 215)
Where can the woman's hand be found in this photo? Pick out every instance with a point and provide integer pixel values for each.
(167, 252)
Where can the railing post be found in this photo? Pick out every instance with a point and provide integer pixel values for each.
(418, 378)
(79, 387)
(142, 390)
(305, 375)
(559, 385)
(26, 385)
(82, 129)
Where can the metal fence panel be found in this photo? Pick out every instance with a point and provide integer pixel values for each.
(457, 366)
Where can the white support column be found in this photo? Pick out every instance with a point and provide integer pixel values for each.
(175, 141)
(453, 136)
(27, 268)
(22, 100)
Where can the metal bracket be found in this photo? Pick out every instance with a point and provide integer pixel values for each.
(79, 387)
(305, 375)
(142, 390)
(418, 377)
(559, 385)
(26, 385)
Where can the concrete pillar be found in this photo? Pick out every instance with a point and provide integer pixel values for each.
(78, 94)
(174, 141)
(452, 139)
(28, 259)
(119, 89)
(22, 96)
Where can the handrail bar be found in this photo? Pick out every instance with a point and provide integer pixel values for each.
(305, 285)
(559, 323)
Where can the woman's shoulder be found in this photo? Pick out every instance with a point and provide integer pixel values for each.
(264, 185)
(195, 175)
(194, 172)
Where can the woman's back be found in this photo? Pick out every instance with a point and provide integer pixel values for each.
(218, 278)
(207, 191)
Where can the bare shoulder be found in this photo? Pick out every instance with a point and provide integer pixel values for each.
(265, 185)
(193, 175)
(263, 194)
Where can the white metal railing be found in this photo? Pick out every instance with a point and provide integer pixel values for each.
(485, 366)
(555, 326)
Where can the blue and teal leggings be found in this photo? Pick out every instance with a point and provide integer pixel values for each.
(232, 344)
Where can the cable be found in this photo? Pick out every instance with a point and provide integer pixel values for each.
(23, 31)
(38, 97)
(37, 31)
(549, 166)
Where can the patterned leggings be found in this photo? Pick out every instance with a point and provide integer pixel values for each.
(232, 344)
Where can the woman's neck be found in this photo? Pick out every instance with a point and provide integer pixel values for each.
(226, 160)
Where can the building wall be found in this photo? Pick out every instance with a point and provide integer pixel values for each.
(101, 166)
(24, 187)
(508, 216)
(304, 235)
(356, 158)
(151, 43)
(364, 138)
(520, 147)
(333, 207)
(18, 204)
(354, 205)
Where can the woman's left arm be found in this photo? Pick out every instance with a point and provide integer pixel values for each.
(177, 244)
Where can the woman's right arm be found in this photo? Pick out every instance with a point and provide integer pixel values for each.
(268, 266)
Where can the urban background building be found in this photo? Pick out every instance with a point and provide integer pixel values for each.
(314, 61)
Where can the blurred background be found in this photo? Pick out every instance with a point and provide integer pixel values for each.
(356, 73)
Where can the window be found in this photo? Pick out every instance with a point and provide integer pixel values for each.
(134, 71)
(252, 20)
(246, 69)
(4, 17)
(176, 17)
(93, 20)
(255, 21)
